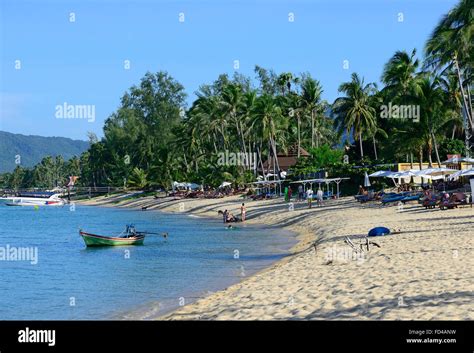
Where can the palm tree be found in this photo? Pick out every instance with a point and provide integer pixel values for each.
(138, 178)
(451, 45)
(355, 112)
(434, 118)
(400, 76)
(210, 109)
(311, 101)
(231, 104)
(453, 102)
(285, 80)
(269, 122)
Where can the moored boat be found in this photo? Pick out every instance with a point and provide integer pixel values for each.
(129, 237)
(33, 199)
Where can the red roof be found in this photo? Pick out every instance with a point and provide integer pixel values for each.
(286, 160)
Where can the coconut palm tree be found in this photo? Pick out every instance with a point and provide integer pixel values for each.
(400, 76)
(311, 91)
(231, 105)
(285, 80)
(355, 112)
(451, 45)
(269, 123)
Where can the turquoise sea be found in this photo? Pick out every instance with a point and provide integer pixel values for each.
(70, 281)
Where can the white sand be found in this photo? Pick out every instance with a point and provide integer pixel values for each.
(424, 273)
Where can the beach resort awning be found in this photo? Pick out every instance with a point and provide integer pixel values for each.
(462, 173)
(434, 173)
(403, 174)
(266, 182)
(314, 181)
(381, 173)
(327, 181)
(393, 175)
(454, 160)
(185, 185)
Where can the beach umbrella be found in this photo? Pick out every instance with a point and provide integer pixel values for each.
(366, 180)
(461, 173)
(402, 174)
(434, 173)
(454, 160)
(380, 173)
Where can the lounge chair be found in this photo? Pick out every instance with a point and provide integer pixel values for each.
(392, 198)
(430, 203)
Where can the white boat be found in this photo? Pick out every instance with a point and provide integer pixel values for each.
(33, 199)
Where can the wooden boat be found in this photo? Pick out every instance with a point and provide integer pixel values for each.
(135, 238)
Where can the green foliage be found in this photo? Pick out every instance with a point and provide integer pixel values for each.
(138, 179)
(449, 146)
(323, 157)
(153, 140)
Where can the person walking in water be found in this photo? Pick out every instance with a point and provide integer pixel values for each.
(242, 212)
(224, 216)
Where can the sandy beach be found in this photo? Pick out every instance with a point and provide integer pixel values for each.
(424, 273)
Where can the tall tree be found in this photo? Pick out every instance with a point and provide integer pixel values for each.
(311, 101)
(354, 112)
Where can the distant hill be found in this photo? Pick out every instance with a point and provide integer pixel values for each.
(33, 149)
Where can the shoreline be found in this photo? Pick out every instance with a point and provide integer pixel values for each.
(421, 274)
(299, 238)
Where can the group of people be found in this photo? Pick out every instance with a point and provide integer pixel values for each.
(308, 195)
(319, 197)
(228, 217)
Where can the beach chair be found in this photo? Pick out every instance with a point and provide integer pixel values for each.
(327, 195)
(392, 198)
(430, 203)
(448, 205)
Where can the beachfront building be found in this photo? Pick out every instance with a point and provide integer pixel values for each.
(285, 160)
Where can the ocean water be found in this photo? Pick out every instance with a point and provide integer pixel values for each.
(70, 281)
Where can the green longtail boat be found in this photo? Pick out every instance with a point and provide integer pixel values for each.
(129, 237)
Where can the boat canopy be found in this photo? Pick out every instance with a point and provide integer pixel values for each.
(39, 194)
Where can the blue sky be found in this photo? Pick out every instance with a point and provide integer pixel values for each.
(82, 62)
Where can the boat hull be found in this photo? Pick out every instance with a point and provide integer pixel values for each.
(17, 201)
(92, 240)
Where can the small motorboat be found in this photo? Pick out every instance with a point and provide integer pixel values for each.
(33, 199)
(128, 237)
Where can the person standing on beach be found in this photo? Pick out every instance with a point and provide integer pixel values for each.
(319, 197)
(242, 212)
(300, 193)
(309, 197)
(289, 193)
